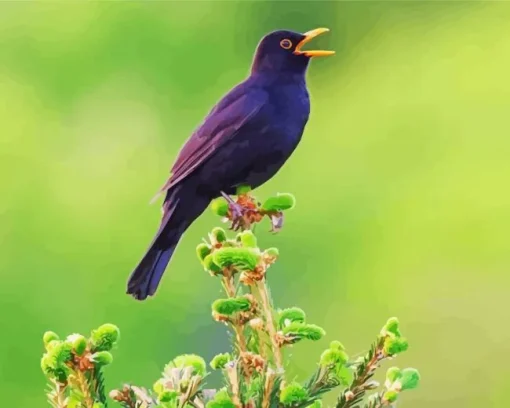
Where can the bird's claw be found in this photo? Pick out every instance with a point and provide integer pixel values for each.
(237, 216)
(276, 222)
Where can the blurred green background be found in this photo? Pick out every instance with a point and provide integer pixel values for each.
(402, 181)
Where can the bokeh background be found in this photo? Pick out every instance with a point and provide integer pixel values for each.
(402, 181)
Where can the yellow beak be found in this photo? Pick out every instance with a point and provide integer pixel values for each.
(309, 35)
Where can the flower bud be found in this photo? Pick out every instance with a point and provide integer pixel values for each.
(219, 206)
(395, 345)
(78, 342)
(248, 239)
(49, 336)
(220, 360)
(202, 251)
(102, 358)
(218, 235)
(104, 337)
(392, 326)
(194, 361)
(210, 265)
(393, 374)
(299, 331)
(390, 396)
(410, 378)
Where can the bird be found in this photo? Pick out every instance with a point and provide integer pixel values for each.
(243, 141)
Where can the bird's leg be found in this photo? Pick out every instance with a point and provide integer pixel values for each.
(236, 212)
(276, 221)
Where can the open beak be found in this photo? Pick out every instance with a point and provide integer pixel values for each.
(309, 35)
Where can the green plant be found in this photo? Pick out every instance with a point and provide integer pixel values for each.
(254, 368)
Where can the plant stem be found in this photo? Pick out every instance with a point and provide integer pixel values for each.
(84, 388)
(268, 387)
(270, 325)
(234, 382)
(59, 397)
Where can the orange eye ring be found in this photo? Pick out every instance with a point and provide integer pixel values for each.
(286, 44)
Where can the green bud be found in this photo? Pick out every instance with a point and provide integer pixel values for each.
(393, 374)
(202, 251)
(189, 360)
(98, 405)
(293, 394)
(49, 336)
(392, 326)
(218, 234)
(299, 331)
(248, 239)
(221, 400)
(409, 379)
(316, 404)
(78, 342)
(158, 387)
(167, 395)
(102, 358)
(230, 306)
(219, 206)
(243, 190)
(242, 258)
(336, 345)
(333, 357)
(395, 345)
(52, 344)
(210, 265)
(289, 315)
(280, 202)
(272, 252)
(55, 360)
(104, 337)
(390, 396)
(220, 360)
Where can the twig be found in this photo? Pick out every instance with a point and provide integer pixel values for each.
(234, 382)
(84, 388)
(270, 325)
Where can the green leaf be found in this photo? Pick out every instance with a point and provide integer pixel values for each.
(290, 315)
(230, 306)
(333, 357)
(293, 394)
(240, 258)
(104, 337)
(54, 361)
(280, 202)
(219, 206)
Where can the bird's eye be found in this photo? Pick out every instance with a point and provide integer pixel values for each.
(286, 44)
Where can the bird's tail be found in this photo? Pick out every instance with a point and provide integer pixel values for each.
(182, 206)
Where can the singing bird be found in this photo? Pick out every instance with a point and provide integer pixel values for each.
(244, 140)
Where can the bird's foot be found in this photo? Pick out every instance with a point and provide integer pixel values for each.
(276, 221)
(243, 212)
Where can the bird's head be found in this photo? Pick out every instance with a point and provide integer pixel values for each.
(281, 51)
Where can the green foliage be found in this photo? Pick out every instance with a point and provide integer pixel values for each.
(297, 331)
(290, 315)
(280, 202)
(254, 373)
(241, 258)
(221, 400)
(228, 307)
(292, 394)
(219, 206)
(220, 360)
(197, 363)
(104, 337)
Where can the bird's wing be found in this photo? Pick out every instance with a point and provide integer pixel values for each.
(221, 125)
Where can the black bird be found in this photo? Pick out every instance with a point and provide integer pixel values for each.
(244, 140)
